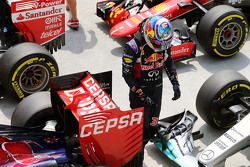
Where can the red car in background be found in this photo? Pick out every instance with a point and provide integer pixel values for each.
(222, 30)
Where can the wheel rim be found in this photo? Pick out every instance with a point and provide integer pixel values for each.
(34, 78)
(230, 36)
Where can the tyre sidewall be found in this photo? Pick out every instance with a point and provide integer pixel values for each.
(33, 110)
(211, 24)
(237, 87)
(218, 87)
(18, 58)
(232, 17)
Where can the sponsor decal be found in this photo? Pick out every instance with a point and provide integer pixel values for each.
(27, 5)
(35, 4)
(207, 155)
(99, 95)
(180, 51)
(127, 60)
(38, 13)
(216, 36)
(220, 144)
(71, 93)
(153, 58)
(227, 91)
(17, 89)
(154, 61)
(152, 66)
(233, 2)
(51, 33)
(229, 137)
(154, 73)
(87, 98)
(104, 126)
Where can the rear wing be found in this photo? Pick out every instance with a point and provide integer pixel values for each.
(107, 135)
(40, 21)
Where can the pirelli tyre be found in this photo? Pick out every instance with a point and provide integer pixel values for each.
(219, 92)
(26, 69)
(223, 31)
(34, 111)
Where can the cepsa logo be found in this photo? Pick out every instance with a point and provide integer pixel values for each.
(105, 126)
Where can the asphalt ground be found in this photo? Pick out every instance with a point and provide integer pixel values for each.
(91, 48)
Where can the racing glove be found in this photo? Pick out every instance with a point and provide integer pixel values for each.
(143, 97)
(177, 91)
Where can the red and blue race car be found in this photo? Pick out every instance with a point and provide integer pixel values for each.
(78, 124)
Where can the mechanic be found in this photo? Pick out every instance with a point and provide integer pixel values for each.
(144, 58)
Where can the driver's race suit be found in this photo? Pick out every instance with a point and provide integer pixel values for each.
(142, 69)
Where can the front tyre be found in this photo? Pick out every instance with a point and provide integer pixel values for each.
(26, 68)
(222, 31)
(218, 93)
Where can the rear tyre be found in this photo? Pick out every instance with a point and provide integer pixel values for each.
(223, 31)
(33, 111)
(26, 69)
(217, 94)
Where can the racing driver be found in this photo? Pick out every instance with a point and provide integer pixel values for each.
(143, 61)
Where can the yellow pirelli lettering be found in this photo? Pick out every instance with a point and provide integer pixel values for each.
(222, 55)
(229, 17)
(245, 86)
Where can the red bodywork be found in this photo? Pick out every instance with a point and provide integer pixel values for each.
(107, 135)
(183, 51)
(168, 8)
(40, 21)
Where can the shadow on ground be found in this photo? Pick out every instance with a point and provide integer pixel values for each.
(76, 41)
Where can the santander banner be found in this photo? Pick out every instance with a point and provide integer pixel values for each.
(39, 20)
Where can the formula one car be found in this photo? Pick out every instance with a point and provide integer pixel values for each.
(88, 119)
(222, 30)
(222, 101)
(26, 26)
(83, 121)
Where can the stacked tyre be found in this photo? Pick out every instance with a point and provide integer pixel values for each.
(26, 68)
